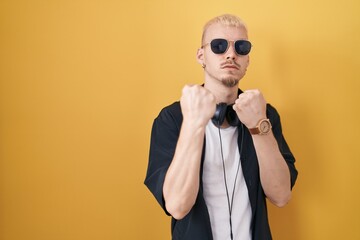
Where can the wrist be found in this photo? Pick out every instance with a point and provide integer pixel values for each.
(193, 125)
(263, 127)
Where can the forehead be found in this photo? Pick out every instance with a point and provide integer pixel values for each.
(219, 30)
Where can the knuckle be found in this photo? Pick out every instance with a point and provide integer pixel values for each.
(185, 88)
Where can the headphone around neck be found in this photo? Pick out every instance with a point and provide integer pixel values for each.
(224, 111)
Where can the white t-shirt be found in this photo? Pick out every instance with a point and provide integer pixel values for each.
(214, 185)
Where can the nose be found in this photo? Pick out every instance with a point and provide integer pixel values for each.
(231, 54)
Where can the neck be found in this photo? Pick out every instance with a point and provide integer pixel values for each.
(223, 94)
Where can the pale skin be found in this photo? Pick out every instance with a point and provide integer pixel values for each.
(198, 105)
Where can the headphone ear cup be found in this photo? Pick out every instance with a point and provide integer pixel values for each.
(232, 117)
(220, 114)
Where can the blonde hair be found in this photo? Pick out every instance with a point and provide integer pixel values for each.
(228, 20)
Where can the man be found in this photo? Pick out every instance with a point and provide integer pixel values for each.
(216, 155)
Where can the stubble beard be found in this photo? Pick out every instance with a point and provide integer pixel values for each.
(230, 82)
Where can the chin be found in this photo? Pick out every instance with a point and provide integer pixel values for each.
(230, 82)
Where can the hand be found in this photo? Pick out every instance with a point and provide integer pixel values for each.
(197, 105)
(250, 107)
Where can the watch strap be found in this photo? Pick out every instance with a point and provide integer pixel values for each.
(254, 131)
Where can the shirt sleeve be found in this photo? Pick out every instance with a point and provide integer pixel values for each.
(283, 146)
(164, 135)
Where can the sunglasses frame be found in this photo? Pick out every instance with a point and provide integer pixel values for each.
(228, 45)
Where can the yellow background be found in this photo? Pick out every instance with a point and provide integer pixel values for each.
(81, 82)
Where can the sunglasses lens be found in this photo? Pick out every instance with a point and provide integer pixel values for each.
(242, 47)
(219, 46)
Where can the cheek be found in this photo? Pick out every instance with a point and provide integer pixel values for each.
(245, 63)
(213, 59)
(209, 62)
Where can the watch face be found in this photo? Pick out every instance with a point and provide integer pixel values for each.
(265, 127)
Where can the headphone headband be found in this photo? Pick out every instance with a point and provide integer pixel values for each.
(224, 111)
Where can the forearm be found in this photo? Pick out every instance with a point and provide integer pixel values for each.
(274, 172)
(181, 183)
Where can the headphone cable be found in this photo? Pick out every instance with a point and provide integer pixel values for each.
(230, 204)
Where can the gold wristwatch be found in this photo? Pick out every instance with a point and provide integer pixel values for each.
(262, 128)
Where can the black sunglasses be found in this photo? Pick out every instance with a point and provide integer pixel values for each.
(220, 46)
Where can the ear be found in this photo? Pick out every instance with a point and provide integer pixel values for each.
(200, 56)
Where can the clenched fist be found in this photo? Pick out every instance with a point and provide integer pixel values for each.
(250, 107)
(197, 105)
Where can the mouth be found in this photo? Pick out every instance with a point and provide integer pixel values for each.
(230, 66)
